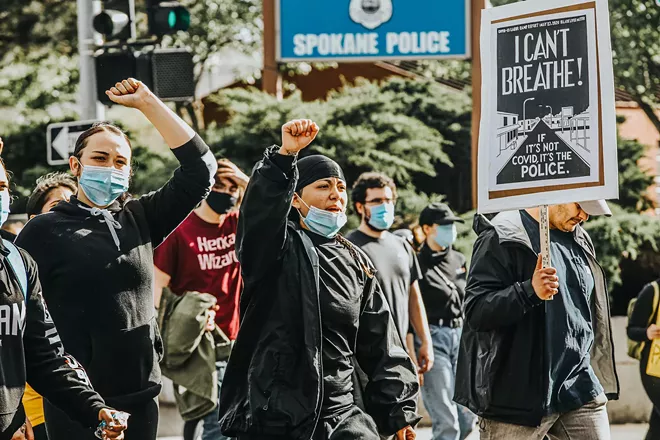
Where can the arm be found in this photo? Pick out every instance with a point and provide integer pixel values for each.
(166, 208)
(390, 396)
(642, 313)
(261, 232)
(52, 373)
(420, 323)
(493, 299)
(161, 281)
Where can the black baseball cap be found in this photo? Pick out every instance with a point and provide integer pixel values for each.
(438, 214)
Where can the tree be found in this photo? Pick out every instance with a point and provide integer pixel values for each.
(635, 28)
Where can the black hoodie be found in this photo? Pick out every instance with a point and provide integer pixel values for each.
(31, 349)
(101, 297)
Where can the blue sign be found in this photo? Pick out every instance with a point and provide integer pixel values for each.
(358, 30)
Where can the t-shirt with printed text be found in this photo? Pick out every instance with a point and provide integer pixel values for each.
(200, 257)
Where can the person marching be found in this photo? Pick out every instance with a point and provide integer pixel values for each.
(200, 257)
(30, 349)
(310, 304)
(95, 254)
(50, 190)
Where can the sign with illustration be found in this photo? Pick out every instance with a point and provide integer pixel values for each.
(358, 30)
(548, 127)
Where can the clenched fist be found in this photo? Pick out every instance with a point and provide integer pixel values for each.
(297, 134)
(545, 281)
(129, 93)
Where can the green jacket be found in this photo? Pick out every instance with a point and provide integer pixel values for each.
(190, 352)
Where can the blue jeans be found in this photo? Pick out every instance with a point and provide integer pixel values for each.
(211, 421)
(450, 420)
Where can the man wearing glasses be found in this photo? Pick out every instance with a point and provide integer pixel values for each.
(374, 196)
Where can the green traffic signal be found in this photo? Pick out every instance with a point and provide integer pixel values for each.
(168, 18)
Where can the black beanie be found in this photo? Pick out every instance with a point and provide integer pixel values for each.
(316, 167)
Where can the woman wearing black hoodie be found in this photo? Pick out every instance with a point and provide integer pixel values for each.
(95, 257)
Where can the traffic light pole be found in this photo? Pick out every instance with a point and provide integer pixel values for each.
(89, 107)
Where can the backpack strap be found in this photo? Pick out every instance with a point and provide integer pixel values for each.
(18, 267)
(656, 299)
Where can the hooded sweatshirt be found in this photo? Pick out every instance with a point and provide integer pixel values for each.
(96, 270)
(30, 349)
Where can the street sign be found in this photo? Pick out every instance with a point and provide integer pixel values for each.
(548, 124)
(359, 30)
(61, 138)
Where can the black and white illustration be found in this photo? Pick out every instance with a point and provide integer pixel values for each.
(546, 125)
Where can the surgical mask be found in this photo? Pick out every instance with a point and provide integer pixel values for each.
(382, 216)
(103, 185)
(322, 222)
(221, 203)
(4, 206)
(445, 235)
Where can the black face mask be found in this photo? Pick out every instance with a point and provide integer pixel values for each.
(221, 203)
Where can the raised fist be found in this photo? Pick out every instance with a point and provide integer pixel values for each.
(129, 93)
(297, 134)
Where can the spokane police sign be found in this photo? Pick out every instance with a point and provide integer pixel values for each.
(358, 30)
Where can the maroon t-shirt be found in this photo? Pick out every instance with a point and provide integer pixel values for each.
(200, 257)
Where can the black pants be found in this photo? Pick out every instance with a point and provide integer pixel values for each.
(353, 424)
(652, 387)
(142, 425)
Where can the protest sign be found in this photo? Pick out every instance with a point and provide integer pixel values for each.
(548, 125)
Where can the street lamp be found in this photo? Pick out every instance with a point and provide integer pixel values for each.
(524, 118)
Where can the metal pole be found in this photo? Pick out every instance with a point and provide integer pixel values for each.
(271, 80)
(89, 107)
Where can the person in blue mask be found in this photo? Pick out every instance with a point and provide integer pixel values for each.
(310, 306)
(95, 257)
(443, 290)
(374, 196)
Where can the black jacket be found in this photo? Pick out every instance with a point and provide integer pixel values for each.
(274, 380)
(440, 299)
(101, 297)
(502, 370)
(30, 348)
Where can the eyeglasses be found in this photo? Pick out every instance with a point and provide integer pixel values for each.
(379, 201)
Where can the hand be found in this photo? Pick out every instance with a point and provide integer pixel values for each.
(424, 358)
(210, 318)
(130, 93)
(25, 432)
(406, 433)
(420, 379)
(653, 332)
(114, 429)
(230, 171)
(545, 281)
(297, 134)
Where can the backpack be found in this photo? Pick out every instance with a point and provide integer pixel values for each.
(17, 266)
(635, 347)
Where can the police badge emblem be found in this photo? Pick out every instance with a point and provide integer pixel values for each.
(370, 13)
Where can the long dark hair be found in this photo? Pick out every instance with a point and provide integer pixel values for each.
(98, 127)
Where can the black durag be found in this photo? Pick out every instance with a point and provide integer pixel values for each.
(316, 167)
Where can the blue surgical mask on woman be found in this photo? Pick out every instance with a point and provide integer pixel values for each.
(445, 235)
(322, 222)
(4, 206)
(103, 185)
(382, 216)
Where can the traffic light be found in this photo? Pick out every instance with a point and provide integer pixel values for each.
(167, 17)
(117, 20)
(169, 73)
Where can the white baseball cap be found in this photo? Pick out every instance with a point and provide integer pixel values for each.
(596, 207)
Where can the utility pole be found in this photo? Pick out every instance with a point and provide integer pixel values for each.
(475, 11)
(90, 109)
(271, 79)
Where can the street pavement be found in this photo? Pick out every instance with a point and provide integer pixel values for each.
(619, 432)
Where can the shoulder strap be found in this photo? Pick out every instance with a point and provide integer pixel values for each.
(656, 299)
(18, 267)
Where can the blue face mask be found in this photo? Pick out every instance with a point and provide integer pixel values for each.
(4, 206)
(445, 235)
(102, 185)
(382, 216)
(322, 222)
